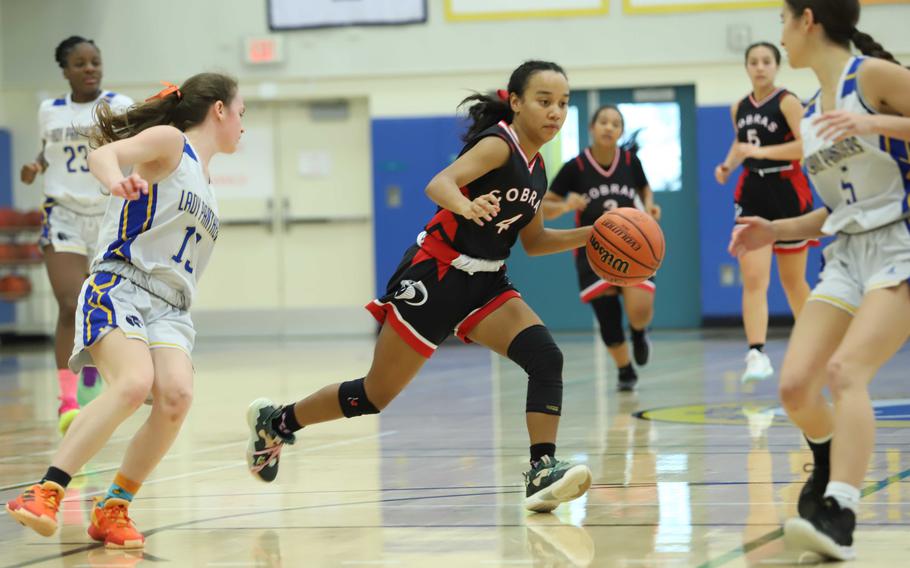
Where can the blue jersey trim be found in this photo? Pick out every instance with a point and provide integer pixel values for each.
(188, 150)
(59, 102)
(899, 150)
(810, 106)
(98, 306)
(136, 217)
(850, 83)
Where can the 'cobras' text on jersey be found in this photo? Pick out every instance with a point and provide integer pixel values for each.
(519, 184)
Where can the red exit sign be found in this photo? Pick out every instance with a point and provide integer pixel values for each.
(259, 50)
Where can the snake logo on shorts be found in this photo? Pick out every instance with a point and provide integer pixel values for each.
(412, 293)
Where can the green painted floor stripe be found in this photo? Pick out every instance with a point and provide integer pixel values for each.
(778, 533)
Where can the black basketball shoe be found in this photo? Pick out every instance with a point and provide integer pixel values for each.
(551, 482)
(829, 532)
(812, 495)
(628, 378)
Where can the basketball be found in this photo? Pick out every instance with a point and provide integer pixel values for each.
(626, 246)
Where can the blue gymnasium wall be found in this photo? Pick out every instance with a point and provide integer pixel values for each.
(7, 311)
(721, 299)
(408, 152)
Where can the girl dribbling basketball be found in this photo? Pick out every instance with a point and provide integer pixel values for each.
(454, 280)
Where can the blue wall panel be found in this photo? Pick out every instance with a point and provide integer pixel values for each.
(407, 153)
(7, 311)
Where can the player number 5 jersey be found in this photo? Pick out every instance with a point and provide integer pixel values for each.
(863, 180)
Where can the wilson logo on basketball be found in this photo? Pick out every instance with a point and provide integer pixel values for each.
(607, 258)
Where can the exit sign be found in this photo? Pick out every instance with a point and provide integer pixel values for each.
(262, 50)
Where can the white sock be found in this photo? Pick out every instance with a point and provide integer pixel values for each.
(821, 440)
(845, 494)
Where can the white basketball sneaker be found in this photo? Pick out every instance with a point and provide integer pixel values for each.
(758, 367)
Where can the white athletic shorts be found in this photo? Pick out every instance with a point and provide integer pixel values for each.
(857, 264)
(69, 231)
(109, 301)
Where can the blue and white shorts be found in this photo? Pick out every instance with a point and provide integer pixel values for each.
(109, 301)
(69, 231)
(857, 264)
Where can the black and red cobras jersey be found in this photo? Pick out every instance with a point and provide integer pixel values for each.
(604, 187)
(762, 123)
(520, 185)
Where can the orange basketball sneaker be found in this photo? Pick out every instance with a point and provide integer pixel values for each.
(113, 526)
(37, 507)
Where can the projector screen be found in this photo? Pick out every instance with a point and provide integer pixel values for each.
(307, 14)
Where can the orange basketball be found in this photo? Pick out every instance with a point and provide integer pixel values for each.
(626, 246)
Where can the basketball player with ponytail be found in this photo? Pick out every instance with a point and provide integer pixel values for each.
(603, 177)
(772, 186)
(74, 204)
(453, 280)
(855, 135)
(133, 318)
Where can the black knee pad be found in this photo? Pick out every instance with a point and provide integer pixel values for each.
(353, 399)
(535, 351)
(609, 318)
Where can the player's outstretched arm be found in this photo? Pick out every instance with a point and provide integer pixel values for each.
(538, 240)
(751, 233)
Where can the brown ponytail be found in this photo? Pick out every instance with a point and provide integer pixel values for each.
(183, 109)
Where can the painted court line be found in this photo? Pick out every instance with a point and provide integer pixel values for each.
(776, 534)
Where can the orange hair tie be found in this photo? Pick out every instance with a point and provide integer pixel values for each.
(169, 88)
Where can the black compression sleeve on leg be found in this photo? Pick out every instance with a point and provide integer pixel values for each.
(353, 399)
(535, 351)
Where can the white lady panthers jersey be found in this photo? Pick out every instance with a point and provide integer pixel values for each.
(67, 179)
(863, 180)
(168, 234)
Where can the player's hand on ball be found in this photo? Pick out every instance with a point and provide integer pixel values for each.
(130, 188)
(483, 208)
(749, 234)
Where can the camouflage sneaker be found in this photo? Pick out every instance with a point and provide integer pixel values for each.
(551, 482)
(264, 450)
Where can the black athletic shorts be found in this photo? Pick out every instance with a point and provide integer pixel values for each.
(775, 195)
(427, 299)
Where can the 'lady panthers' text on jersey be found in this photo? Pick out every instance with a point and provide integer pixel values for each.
(67, 179)
(520, 185)
(863, 180)
(604, 187)
(168, 234)
(762, 123)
